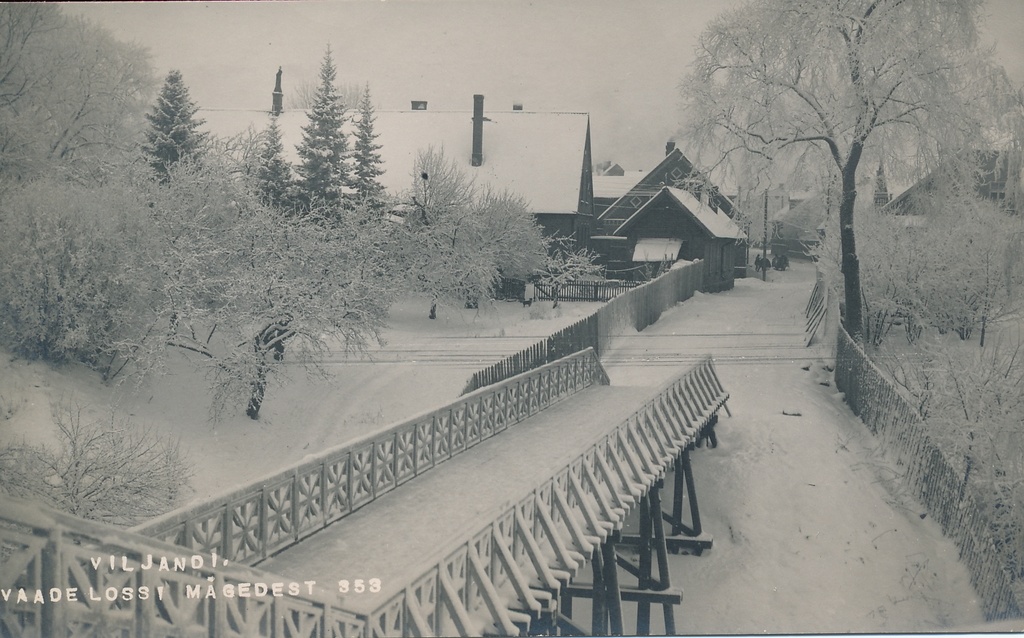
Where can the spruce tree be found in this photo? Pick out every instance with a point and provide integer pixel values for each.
(323, 172)
(274, 173)
(367, 158)
(174, 133)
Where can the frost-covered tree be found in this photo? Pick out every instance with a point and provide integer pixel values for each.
(246, 290)
(565, 264)
(72, 281)
(832, 81)
(174, 133)
(71, 95)
(324, 174)
(110, 470)
(273, 172)
(456, 240)
(367, 166)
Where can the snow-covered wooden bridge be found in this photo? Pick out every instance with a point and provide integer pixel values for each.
(477, 518)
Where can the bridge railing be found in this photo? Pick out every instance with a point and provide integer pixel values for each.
(250, 523)
(943, 490)
(504, 575)
(66, 576)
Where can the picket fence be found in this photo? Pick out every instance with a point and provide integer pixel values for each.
(947, 496)
(636, 308)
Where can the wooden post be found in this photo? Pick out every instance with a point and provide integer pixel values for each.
(598, 613)
(611, 586)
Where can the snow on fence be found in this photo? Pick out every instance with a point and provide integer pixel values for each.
(636, 308)
(948, 497)
(250, 523)
(817, 306)
(93, 578)
(503, 576)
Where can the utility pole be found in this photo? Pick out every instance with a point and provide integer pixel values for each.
(764, 245)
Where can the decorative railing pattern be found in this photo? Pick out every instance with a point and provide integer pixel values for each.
(505, 576)
(58, 580)
(257, 520)
(637, 308)
(942, 489)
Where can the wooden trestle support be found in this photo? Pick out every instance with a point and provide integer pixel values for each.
(648, 548)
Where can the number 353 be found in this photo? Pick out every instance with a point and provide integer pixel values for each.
(359, 586)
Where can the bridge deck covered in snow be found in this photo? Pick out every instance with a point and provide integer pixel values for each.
(399, 538)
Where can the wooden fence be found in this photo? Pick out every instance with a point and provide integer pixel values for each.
(636, 308)
(585, 290)
(249, 524)
(66, 576)
(948, 497)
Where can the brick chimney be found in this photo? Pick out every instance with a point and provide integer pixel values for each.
(278, 105)
(669, 147)
(517, 106)
(478, 131)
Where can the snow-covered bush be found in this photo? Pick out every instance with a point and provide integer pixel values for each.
(109, 470)
(71, 285)
(973, 406)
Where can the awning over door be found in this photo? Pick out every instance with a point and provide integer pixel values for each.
(657, 249)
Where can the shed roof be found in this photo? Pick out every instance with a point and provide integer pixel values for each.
(536, 155)
(657, 249)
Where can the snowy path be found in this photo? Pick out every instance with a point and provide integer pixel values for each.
(807, 538)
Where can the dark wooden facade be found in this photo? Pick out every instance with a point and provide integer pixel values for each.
(667, 216)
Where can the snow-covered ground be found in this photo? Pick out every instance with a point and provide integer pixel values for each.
(423, 364)
(811, 534)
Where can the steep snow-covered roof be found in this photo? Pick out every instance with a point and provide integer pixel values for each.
(715, 223)
(615, 186)
(536, 155)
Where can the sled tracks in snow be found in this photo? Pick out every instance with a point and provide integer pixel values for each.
(479, 518)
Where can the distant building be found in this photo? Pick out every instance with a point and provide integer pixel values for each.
(997, 174)
(543, 157)
(669, 213)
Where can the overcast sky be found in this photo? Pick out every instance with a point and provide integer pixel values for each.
(620, 61)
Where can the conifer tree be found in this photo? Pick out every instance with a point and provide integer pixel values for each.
(174, 132)
(366, 153)
(274, 174)
(323, 172)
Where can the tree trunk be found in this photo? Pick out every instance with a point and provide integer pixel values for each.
(258, 388)
(851, 264)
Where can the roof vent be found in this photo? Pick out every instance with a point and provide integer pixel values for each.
(419, 105)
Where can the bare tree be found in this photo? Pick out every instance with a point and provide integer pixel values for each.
(107, 469)
(832, 81)
(302, 95)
